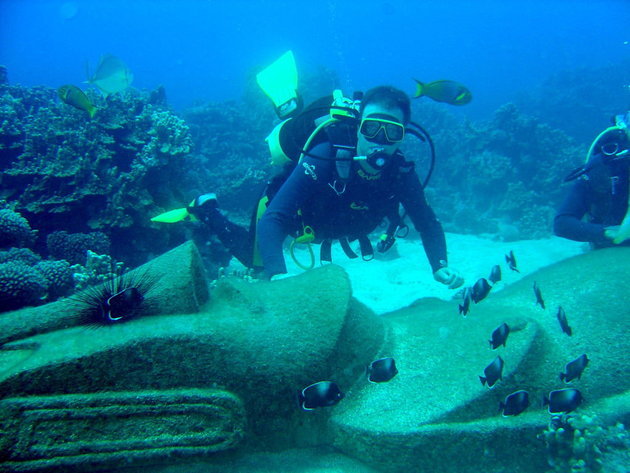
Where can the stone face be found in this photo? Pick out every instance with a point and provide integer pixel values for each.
(437, 414)
(263, 341)
(260, 342)
(116, 429)
(181, 287)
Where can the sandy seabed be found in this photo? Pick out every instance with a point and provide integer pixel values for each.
(403, 275)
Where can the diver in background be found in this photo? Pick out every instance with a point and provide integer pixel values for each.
(600, 191)
(316, 198)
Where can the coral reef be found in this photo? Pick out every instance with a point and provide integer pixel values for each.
(135, 159)
(20, 285)
(231, 157)
(58, 277)
(73, 247)
(24, 255)
(26, 279)
(63, 171)
(580, 101)
(14, 230)
(583, 444)
(96, 269)
(500, 177)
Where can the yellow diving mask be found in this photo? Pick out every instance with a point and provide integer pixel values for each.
(393, 132)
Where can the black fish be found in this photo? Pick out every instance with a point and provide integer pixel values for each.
(465, 307)
(495, 274)
(564, 323)
(381, 371)
(480, 290)
(563, 400)
(515, 403)
(574, 369)
(322, 394)
(539, 299)
(493, 372)
(510, 259)
(499, 336)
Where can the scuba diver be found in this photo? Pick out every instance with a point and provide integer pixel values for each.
(344, 175)
(600, 191)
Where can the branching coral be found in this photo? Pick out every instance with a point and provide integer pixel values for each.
(96, 269)
(580, 443)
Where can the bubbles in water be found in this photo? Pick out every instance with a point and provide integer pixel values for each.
(68, 10)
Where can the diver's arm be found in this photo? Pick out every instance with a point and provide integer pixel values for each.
(279, 219)
(568, 221)
(424, 219)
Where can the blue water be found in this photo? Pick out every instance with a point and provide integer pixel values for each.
(207, 50)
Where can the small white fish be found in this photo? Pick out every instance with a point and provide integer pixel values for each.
(111, 76)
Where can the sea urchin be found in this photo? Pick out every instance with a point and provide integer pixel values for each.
(117, 300)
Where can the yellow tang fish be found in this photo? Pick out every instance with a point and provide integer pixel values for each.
(446, 91)
(74, 96)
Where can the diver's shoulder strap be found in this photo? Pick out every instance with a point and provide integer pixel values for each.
(343, 163)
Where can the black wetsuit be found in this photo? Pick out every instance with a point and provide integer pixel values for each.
(353, 213)
(602, 194)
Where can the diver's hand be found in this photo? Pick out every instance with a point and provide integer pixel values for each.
(449, 276)
(611, 232)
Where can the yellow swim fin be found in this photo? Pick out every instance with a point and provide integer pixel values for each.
(279, 81)
(173, 216)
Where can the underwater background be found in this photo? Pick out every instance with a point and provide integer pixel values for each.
(78, 191)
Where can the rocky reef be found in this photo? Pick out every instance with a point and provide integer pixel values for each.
(501, 177)
(71, 261)
(66, 172)
(580, 101)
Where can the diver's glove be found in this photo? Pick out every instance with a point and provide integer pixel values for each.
(449, 276)
(611, 232)
(616, 234)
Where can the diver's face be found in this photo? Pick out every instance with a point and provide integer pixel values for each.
(365, 145)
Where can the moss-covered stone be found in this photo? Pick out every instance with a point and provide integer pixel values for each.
(78, 432)
(264, 341)
(181, 287)
(437, 414)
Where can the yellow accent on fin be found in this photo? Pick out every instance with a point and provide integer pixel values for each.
(279, 80)
(172, 216)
